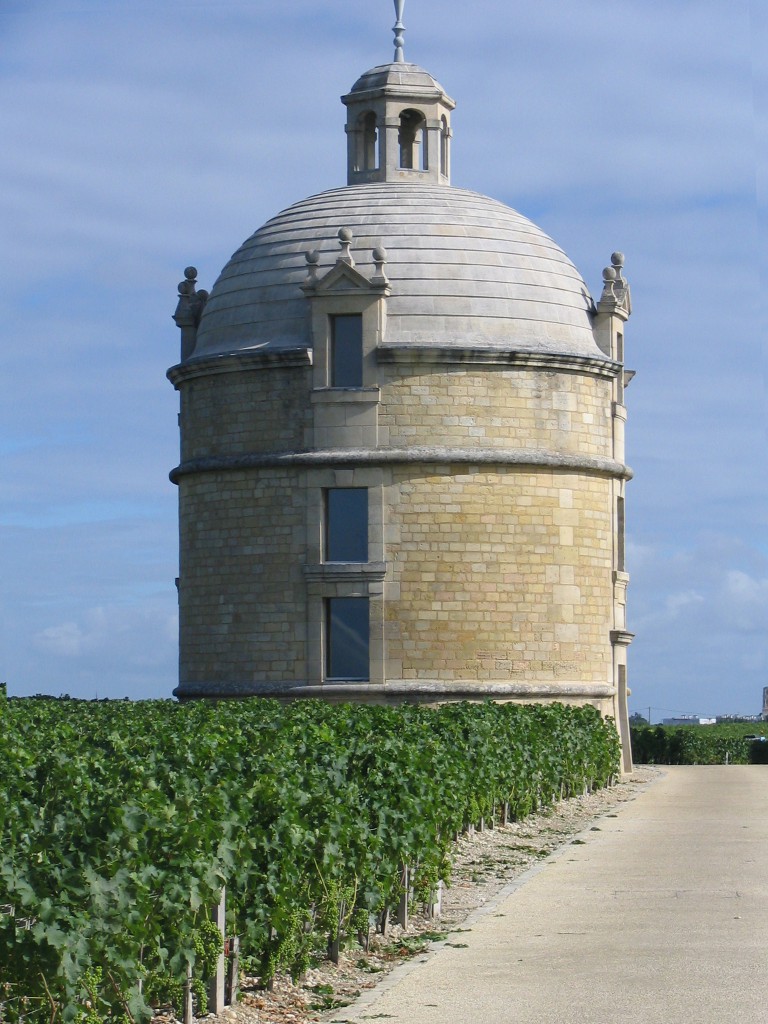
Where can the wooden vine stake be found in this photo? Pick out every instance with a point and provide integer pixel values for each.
(334, 939)
(216, 984)
(435, 905)
(364, 938)
(232, 951)
(402, 910)
(188, 1017)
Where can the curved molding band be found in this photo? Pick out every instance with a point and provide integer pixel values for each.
(505, 358)
(235, 362)
(537, 458)
(417, 691)
(432, 355)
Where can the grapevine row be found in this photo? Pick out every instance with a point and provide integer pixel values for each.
(120, 823)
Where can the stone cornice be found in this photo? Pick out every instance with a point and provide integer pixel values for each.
(621, 637)
(339, 396)
(259, 359)
(337, 572)
(531, 457)
(432, 354)
(397, 691)
(236, 362)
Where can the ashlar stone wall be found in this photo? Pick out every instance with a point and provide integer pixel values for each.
(498, 575)
(242, 592)
(253, 407)
(481, 573)
(496, 407)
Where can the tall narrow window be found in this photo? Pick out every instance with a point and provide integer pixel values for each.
(620, 532)
(620, 359)
(346, 524)
(347, 638)
(444, 146)
(368, 138)
(346, 370)
(410, 137)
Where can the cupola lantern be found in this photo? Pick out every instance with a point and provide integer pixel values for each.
(398, 123)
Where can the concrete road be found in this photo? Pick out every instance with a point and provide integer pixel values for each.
(660, 916)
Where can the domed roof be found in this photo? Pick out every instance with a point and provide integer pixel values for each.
(409, 77)
(465, 271)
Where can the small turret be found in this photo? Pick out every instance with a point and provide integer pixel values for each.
(613, 309)
(189, 310)
(398, 122)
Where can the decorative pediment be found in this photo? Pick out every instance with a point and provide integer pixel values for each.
(344, 277)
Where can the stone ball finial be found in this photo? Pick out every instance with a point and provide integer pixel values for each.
(345, 241)
(379, 278)
(313, 259)
(617, 259)
(609, 274)
(190, 273)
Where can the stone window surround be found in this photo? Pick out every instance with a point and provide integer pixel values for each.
(342, 579)
(324, 308)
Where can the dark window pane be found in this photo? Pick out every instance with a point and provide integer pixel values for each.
(347, 351)
(346, 524)
(620, 532)
(347, 636)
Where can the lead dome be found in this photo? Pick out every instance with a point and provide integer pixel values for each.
(402, 470)
(410, 78)
(457, 261)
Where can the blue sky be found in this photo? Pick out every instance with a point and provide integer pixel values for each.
(140, 137)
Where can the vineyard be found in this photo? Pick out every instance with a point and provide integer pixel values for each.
(120, 824)
(729, 743)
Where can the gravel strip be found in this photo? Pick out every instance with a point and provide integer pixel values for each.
(484, 863)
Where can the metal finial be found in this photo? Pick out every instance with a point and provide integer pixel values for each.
(399, 31)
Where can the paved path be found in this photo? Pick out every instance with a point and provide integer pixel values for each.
(660, 916)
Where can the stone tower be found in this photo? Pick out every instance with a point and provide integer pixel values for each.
(402, 442)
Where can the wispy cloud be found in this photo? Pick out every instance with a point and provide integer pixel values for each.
(140, 138)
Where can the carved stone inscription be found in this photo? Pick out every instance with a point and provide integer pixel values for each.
(507, 663)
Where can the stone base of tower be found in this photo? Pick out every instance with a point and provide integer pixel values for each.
(408, 691)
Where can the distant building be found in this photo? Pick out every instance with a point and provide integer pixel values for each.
(402, 442)
(764, 715)
(689, 720)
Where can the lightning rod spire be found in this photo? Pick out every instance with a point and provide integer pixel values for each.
(399, 31)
